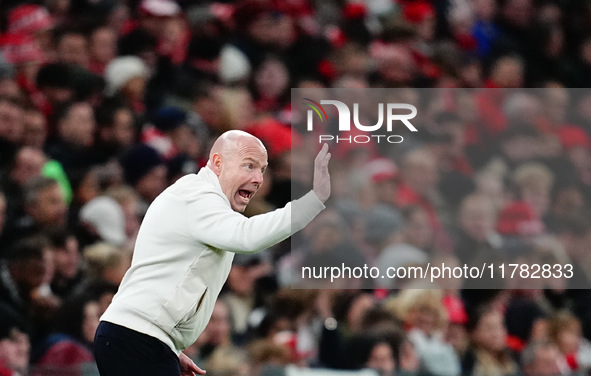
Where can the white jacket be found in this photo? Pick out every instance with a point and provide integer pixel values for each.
(184, 252)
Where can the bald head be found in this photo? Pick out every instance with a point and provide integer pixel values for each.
(231, 141)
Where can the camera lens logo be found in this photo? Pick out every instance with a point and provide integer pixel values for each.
(392, 111)
(315, 106)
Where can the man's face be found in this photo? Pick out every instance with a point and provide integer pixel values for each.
(546, 362)
(51, 208)
(14, 350)
(103, 44)
(152, 184)
(240, 171)
(73, 49)
(477, 219)
(29, 274)
(78, 127)
(538, 196)
(67, 259)
(381, 358)
(123, 131)
(11, 116)
(490, 332)
(508, 73)
(91, 320)
(420, 172)
(35, 131)
(29, 163)
(518, 12)
(218, 329)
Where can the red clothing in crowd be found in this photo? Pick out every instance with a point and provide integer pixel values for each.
(5, 371)
(462, 165)
(406, 196)
(490, 107)
(65, 354)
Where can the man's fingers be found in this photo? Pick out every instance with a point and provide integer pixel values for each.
(197, 370)
(323, 156)
(325, 159)
(189, 367)
(194, 370)
(322, 153)
(321, 184)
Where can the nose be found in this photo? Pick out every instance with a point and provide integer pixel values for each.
(257, 178)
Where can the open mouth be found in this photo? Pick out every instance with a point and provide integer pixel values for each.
(245, 194)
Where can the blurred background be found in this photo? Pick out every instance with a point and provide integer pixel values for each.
(104, 103)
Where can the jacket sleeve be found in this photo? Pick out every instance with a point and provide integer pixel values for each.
(214, 223)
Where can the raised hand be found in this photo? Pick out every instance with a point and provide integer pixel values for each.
(321, 183)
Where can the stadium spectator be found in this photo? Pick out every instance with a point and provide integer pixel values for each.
(67, 272)
(369, 350)
(14, 343)
(477, 233)
(35, 128)
(565, 331)
(128, 199)
(75, 134)
(488, 353)
(230, 361)
(11, 124)
(341, 320)
(102, 48)
(145, 171)
(542, 358)
(54, 85)
(44, 208)
(26, 268)
(418, 231)
(70, 344)
(171, 133)
(104, 220)
(72, 47)
(116, 131)
(28, 163)
(425, 320)
(497, 172)
(105, 262)
(126, 78)
(534, 184)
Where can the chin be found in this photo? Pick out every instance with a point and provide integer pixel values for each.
(239, 208)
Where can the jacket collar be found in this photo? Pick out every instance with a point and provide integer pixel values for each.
(209, 176)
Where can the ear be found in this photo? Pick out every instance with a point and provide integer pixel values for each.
(216, 164)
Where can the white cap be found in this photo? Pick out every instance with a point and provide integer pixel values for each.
(234, 65)
(122, 69)
(106, 217)
(160, 8)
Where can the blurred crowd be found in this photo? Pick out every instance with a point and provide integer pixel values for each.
(104, 103)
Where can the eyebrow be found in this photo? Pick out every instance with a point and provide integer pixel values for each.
(249, 159)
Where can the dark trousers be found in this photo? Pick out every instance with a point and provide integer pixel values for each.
(120, 351)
